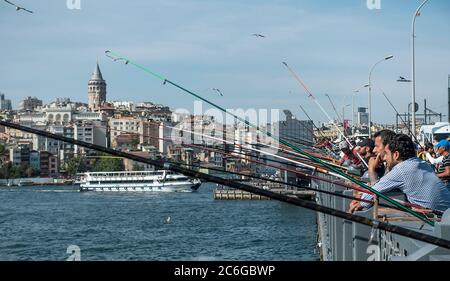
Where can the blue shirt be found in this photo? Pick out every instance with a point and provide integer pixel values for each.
(417, 180)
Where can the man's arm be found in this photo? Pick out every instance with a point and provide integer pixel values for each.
(390, 181)
(433, 160)
(445, 173)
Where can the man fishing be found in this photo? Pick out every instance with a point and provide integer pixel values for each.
(443, 170)
(348, 154)
(414, 177)
(382, 138)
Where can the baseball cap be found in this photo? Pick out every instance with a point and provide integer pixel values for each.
(444, 143)
(367, 142)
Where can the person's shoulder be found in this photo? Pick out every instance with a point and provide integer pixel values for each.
(446, 160)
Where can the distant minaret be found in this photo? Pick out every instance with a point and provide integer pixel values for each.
(96, 89)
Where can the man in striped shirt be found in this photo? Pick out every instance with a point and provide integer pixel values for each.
(443, 171)
(414, 177)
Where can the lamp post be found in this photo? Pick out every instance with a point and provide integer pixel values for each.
(353, 106)
(370, 92)
(413, 65)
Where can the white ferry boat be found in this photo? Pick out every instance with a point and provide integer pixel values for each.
(137, 181)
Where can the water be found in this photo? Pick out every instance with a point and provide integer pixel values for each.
(39, 223)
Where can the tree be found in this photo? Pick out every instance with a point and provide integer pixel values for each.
(6, 170)
(75, 165)
(29, 172)
(109, 165)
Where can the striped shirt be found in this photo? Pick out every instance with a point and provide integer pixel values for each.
(445, 163)
(417, 180)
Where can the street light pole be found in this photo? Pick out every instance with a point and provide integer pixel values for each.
(370, 92)
(413, 65)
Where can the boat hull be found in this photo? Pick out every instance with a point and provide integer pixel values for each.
(188, 187)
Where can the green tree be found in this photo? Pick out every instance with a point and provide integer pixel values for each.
(109, 165)
(75, 165)
(6, 170)
(29, 172)
(134, 142)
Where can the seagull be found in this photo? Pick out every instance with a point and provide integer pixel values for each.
(258, 35)
(17, 7)
(168, 220)
(217, 90)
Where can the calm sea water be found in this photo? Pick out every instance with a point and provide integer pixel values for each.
(40, 223)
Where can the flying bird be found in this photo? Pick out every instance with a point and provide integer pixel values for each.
(217, 90)
(258, 35)
(402, 78)
(18, 8)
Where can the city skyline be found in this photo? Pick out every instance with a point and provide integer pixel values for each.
(331, 46)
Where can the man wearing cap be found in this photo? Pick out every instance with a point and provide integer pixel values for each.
(443, 171)
(365, 149)
(349, 154)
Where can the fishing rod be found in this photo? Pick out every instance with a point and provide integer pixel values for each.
(260, 151)
(226, 134)
(317, 128)
(334, 108)
(337, 194)
(301, 174)
(300, 163)
(231, 154)
(401, 118)
(310, 95)
(375, 224)
(335, 170)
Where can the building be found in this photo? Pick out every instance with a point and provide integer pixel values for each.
(48, 164)
(96, 89)
(122, 125)
(30, 104)
(126, 141)
(93, 132)
(35, 160)
(294, 131)
(130, 165)
(19, 155)
(123, 105)
(362, 117)
(4, 103)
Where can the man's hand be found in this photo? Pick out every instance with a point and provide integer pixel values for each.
(354, 206)
(374, 162)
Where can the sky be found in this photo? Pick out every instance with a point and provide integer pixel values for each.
(205, 44)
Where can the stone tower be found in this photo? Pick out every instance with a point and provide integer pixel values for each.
(96, 89)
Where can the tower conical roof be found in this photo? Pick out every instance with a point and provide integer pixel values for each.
(97, 74)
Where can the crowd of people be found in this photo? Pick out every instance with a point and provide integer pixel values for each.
(393, 161)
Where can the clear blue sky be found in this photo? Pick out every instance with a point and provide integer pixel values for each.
(206, 44)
